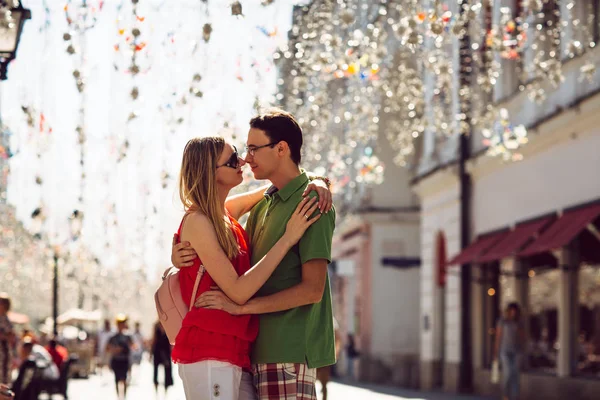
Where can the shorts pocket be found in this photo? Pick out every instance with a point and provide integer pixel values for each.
(289, 369)
(225, 382)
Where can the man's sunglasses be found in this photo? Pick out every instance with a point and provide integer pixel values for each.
(233, 162)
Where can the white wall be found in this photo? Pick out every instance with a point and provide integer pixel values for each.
(561, 176)
(395, 291)
(439, 213)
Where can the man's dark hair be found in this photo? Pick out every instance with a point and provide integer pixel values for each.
(280, 126)
(5, 299)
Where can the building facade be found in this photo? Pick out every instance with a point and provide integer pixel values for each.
(532, 238)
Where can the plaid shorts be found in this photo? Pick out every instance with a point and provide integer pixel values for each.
(285, 381)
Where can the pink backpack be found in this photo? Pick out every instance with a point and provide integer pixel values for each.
(170, 306)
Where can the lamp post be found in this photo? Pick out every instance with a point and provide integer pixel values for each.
(75, 223)
(12, 18)
(55, 291)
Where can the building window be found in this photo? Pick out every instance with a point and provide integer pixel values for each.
(589, 322)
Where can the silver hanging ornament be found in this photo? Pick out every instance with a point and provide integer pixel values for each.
(588, 71)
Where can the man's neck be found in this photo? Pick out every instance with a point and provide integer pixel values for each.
(285, 175)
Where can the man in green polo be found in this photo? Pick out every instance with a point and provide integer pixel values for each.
(296, 333)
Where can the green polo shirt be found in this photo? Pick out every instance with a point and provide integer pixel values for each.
(304, 334)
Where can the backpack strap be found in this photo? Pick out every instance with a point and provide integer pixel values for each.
(196, 285)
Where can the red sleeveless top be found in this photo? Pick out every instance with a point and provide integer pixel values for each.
(215, 334)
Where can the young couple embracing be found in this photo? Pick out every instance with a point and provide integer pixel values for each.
(262, 320)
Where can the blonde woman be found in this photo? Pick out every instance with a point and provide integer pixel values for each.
(212, 347)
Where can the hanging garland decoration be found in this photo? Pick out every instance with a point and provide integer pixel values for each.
(330, 42)
(39, 138)
(504, 139)
(131, 45)
(81, 16)
(130, 42)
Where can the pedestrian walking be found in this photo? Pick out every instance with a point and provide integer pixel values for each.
(7, 339)
(161, 355)
(137, 352)
(102, 338)
(351, 355)
(119, 348)
(213, 347)
(296, 333)
(510, 340)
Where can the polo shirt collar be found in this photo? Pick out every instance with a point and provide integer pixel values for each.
(289, 189)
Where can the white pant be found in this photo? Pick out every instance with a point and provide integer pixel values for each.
(216, 380)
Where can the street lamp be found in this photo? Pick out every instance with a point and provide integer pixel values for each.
(12, 18)
(55, 290)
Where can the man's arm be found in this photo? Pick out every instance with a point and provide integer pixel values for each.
(240, 204)
(309, 291)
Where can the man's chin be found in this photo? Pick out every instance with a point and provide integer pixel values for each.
(258, 176)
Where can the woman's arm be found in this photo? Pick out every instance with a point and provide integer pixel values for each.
(240, 204)
(203, 239)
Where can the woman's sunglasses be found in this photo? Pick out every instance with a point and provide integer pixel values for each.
(233, 162)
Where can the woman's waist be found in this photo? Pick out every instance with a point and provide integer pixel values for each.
(218, 321)
(199, 339)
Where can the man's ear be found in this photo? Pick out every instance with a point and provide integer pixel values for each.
(283, 148)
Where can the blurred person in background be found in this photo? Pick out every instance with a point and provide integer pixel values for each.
(351, 355)
(43, 359)
(102, 338)
(6, 393)
(58, 353)
(119, 347)
(510, 340)
(161, 355)
(7, 339)
(138, 348)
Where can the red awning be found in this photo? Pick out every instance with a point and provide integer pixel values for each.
(514, 241)
(564, 230)
(478, 248)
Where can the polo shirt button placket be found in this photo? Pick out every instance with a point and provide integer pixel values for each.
(216, 388)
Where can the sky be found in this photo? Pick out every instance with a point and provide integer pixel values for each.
(129, 216)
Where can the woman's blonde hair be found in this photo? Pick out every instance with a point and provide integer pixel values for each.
(198, 187)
